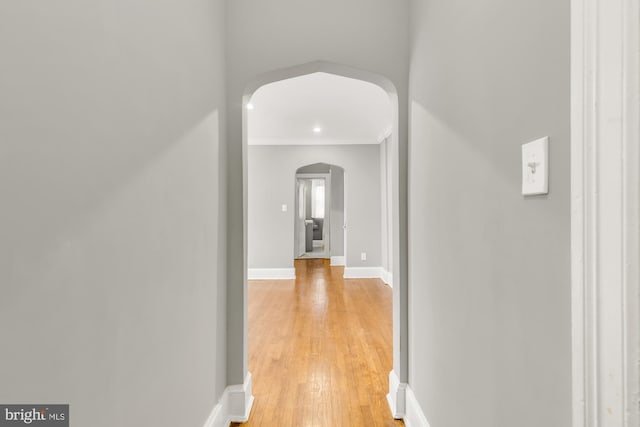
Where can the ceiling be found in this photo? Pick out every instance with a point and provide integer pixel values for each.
(343, 111)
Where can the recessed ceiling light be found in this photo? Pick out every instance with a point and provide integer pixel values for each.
(317, 129)
(250, 106)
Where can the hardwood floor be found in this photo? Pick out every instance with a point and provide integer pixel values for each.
(320, 349)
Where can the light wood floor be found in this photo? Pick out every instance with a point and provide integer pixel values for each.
(320, 350)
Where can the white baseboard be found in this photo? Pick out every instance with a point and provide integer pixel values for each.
(234, 406)
(240, 400)
(403, 403)
(368, 273)
(217, 418)
(363, 272)
(396, 396)
(387, 277)
(337, 260)
(271, 274)
(414, 416)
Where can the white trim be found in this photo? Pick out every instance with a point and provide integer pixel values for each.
(240, 400)
(337, 261)
(363, 273)
(387, 277)
(271, 274)
(385, 134)
(368, 273)
(631, 208)
(217, 417)
(397, 396)
(234, 405)
(415, 415)
(604, 213)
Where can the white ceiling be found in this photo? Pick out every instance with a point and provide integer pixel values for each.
(348, 111)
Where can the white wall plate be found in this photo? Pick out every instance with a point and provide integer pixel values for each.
(535, 167)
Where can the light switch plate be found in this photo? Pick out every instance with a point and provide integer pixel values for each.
(535, 167)
(284, 208)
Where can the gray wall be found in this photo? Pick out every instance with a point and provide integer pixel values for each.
(271, 231)
(386, 205)
(315, 168)
(337, 211)
(489, 269)
(111, 119)
(368, 35)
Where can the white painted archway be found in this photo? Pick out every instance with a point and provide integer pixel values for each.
(399, 375)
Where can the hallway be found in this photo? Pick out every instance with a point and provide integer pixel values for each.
(320, 349)
(148, 168)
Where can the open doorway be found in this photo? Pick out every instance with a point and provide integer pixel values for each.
(291, 133)
(313, 218)
(319, 229)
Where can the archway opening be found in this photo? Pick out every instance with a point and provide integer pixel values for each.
(384, 262)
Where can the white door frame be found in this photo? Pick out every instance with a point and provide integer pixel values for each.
(605, 212)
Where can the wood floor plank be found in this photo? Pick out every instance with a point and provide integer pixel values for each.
(320, 350)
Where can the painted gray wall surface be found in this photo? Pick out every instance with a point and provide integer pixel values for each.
(337, 211)
(386, 202)
(315, 168)
(370, 35)
(271, 231)
(490, 342)
(111, 119)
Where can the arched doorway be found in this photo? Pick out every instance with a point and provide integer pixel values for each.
(398, 375)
